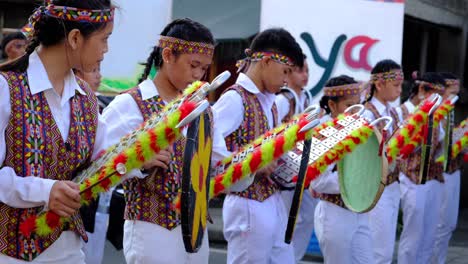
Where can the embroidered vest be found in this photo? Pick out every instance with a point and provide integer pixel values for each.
(150, 199)
(392, 175)
(411, 166)
(35, 148)
(254, 124)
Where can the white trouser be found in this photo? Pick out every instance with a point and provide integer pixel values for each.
(448, 216)
(67, 249)
(94, 249)
(383, 220)
(150, 243)
(413, 198)
(255, 230)
(344, 236)
(304, 222)
(432, 209)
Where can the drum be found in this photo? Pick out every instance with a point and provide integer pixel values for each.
(363, 172)
(195, 182)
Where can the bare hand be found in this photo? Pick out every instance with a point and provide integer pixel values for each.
(161, 160)
(64, 198)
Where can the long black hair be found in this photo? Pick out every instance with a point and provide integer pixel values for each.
(49, 31)
(278, 40)
(428, 77)
(381, 67)
(185, 29)
(335, 81)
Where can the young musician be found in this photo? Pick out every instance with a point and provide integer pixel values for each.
(255, 217)
(386, 80)
(418, 200)
(50, 128)
(152, 229)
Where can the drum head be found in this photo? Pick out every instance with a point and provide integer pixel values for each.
(195, 182)
(361, 175)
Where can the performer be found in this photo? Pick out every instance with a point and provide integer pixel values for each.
(13, 46)
(255, 216)
(417, 199)
(93, 78)
(344, 236)
(288, 106)
(49, 128)
(386, 80)
(451, 188)
(152, 231)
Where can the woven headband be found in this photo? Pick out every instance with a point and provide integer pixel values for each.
(184, 46)
(68, 14)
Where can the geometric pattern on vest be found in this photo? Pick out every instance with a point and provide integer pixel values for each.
(35, 147)
(151, 199)
(254, 124)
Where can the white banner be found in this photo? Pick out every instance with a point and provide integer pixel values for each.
(136, 29)
(339, 36)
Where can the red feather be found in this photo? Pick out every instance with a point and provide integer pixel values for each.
(153, 141)
(237, 173)
(186, 108)
(52, 220)
(279, 143)
(28, 226)
(256, 160)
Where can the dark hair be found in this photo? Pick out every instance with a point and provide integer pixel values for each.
(428, 77)
(7, 39)
(49, 31)
(381, 67)
(335, 81)
(185, 29)
(448, 75)
(278, 40)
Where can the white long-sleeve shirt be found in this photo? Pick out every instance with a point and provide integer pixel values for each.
(26, 192)
(229, 114)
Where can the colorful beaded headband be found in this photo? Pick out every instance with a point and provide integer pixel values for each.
(258, 56)
(343, 90)
(184, 46)
(452, 82)
(68, 14)
(393, 75)
(438, 87)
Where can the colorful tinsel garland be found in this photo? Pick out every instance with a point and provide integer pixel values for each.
(270, 150)
(409, 134)
(442, 111)
(150, 139)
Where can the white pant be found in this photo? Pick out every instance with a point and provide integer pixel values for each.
(255, 230)
(94, 249)
(147, 243)
(344, 236)
(383, 220)
(304, 222)
(432, 209)
(67, 249)
(448, 216)
(413, 198)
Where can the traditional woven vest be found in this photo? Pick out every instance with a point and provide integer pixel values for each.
(454, 163)
(411, 166)
(333, 198)
(393, 175)
(254, 124)
(151, 199)
(35, 148)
